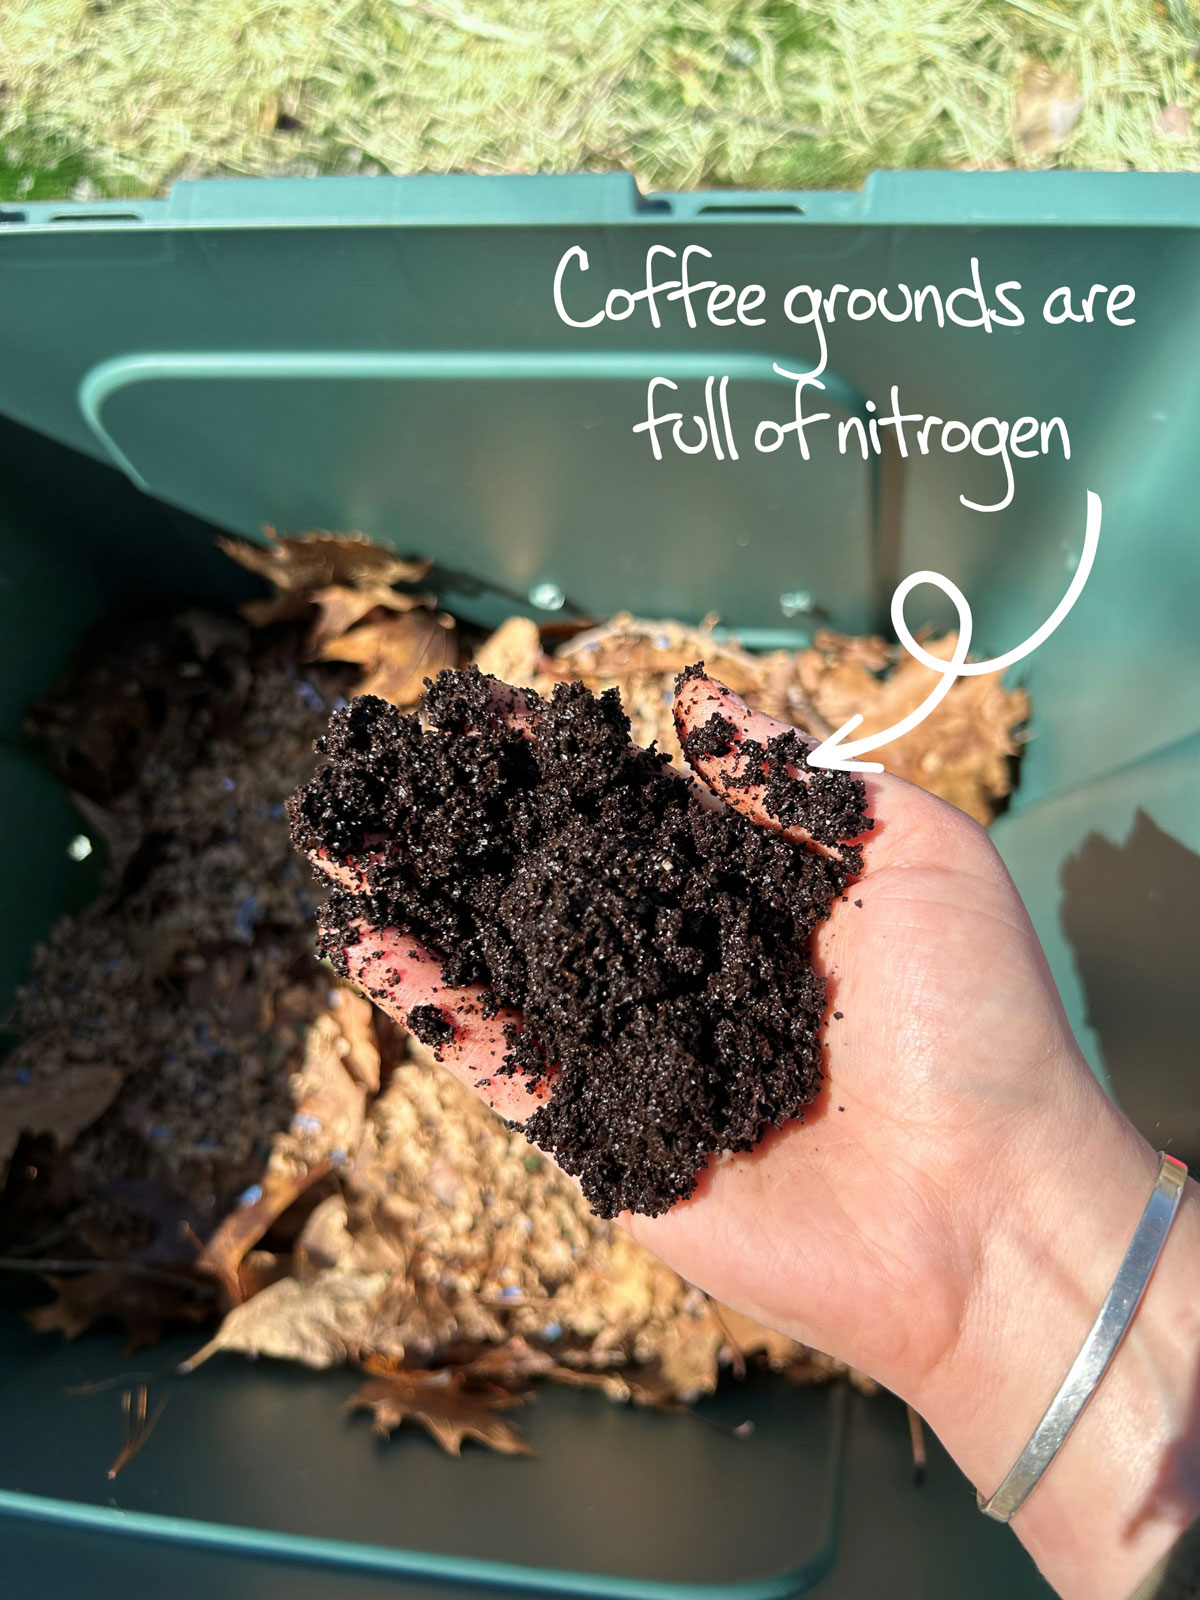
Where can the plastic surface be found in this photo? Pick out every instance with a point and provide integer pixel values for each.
(384, 354)
(576, 1518)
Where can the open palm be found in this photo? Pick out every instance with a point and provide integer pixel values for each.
(857, 1229)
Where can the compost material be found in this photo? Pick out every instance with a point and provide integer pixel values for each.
(656, 949)
(200, 1123)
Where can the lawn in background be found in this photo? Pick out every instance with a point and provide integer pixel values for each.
(121, 97)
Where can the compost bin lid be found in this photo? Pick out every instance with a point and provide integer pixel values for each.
(384, 354)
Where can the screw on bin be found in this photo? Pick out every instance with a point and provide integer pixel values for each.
(795, 601)
(80, 847)
(547, 597)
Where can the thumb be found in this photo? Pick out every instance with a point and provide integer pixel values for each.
(759, 766)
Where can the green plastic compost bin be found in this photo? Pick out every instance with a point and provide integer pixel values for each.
(385, 354)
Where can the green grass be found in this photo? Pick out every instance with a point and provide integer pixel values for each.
(132, 94)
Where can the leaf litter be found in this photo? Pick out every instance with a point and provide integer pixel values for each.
(208, 1126)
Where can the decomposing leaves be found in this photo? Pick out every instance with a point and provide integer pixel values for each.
(339, 607)
(397, 654)
(62, 1103)
(318, 1321)
(446, 1404)
(961, 752)
(246, 1224)
(316, 561)
(396, 637)
(320, 1313)
(144, 1302)
(384, 1209)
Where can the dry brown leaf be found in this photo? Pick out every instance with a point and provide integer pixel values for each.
(445, 1405)
(144, 1304)
(686, 1356)
(745, 1337)
(331, 1097)
(397, 654)
(288, 605)
(355, 1017)
(961, 752)
(64, 1104)
(317, 1322)
(511, 1364)
(244, 1227)
(513, 653)
(318, 560)
(638, 1386)
(339, 607)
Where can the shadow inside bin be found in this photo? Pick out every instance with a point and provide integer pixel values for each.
(1131, 913)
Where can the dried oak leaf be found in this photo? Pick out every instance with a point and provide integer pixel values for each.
(355, 1016)
(745, 1337)
(339, 607)
(146, 1288)
(64, 1104)
(960, 752)
(144, 1304)
(244, 1227)
(397, 654)
(446, 1405)
(316, 564)
(513, 653)
(638, 1386)
(317, 1322)
(313, 560)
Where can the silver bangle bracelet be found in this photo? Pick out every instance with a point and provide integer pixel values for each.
(1099, 1347)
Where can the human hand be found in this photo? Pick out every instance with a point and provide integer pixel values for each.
(950, 1211)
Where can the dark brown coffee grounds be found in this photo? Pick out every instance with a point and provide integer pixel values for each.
(657, 950)
(828, 809)
(716, 737)
(432, 1027)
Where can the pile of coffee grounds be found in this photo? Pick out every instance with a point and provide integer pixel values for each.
(656, 949)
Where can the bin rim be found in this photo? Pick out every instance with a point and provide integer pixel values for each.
(912, 198)
(359, 1556)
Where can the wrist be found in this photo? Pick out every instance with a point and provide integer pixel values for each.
(1065, 1200)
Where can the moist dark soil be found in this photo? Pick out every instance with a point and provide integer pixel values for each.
(658, 950)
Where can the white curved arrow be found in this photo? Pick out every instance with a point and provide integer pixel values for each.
(839, 755)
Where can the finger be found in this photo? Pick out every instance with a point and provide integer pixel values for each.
(347, 874)
(466, 1035)
(446, 708)
(729, 747)
(404, 977)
